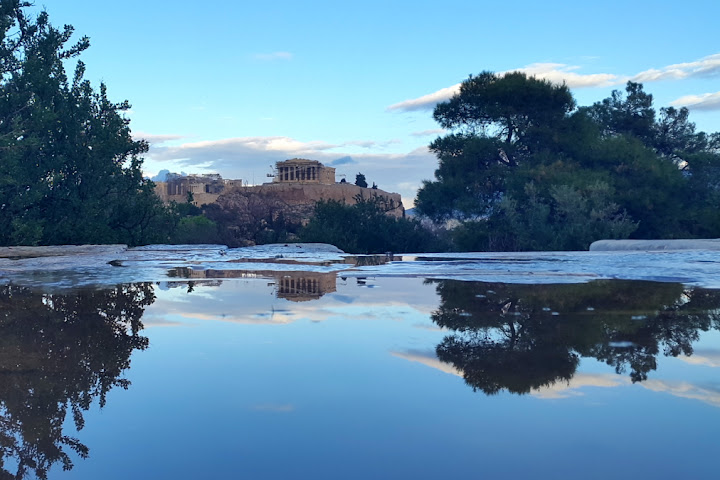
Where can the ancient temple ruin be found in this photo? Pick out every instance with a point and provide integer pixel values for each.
(204, 188)
(301, 170)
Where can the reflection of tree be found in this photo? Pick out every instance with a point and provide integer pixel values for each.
(59, 353)
(523, 337)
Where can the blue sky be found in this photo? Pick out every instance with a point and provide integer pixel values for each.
(234, 86)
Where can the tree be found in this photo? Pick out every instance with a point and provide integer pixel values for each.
(630, 113)
(522, 169)
(360, 180)
(497, 124)
(70, 171)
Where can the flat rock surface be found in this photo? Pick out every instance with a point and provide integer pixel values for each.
(652, 245)
(70, 267)
(59, 250)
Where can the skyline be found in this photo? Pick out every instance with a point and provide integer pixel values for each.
(234, 87)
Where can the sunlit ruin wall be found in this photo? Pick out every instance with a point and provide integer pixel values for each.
(205, 189)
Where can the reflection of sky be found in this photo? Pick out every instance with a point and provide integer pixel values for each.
(254, 386)
(406, 299)
(581, 381)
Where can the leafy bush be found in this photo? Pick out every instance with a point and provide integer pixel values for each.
(366, 228)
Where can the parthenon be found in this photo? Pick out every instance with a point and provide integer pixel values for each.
(301, 170)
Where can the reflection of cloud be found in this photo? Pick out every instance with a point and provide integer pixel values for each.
(709, 358)
(429, 359)
(560, 73)
(711, 396)
(159, 321)
(269, 407)
(572, 388)
(580, 380)
(705, 101)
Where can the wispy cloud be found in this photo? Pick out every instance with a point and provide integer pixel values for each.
(705, 67)
(273, 56)
(562, 73)
(428, 133)
(368, 144)
(156, 139)
(705, 101)
(709, 395)
(709, 358)
(426, 101)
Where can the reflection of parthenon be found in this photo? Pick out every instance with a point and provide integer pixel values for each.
(300, 170)
(304, 286)
(292, 286)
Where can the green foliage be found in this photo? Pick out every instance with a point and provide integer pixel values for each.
(360, 180)
(186, 209)
(366, 228)
(522, 170)
(195, 230)
(70, 171)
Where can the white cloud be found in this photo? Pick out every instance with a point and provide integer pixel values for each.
(155, 139)
(428, 133)
(705, 101)
(553, 72)
(705, 67)
(370, 143)
(273, 56)
(562, 73)
(426, 102)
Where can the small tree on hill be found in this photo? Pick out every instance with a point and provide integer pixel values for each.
(360, 180)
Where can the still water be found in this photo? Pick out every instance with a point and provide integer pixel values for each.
(315, 375)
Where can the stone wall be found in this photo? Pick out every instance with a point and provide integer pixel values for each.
(171, 193)
(294, 194)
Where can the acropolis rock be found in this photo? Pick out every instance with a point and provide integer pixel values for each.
(297, 185)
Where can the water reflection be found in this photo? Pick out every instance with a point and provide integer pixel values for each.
(58, 354)
(521, 338)
(295, 286)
